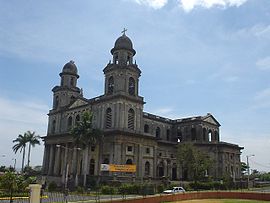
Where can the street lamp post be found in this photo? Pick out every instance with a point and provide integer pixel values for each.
(248, 169)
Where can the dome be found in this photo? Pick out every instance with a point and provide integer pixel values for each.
(70, 67)
(123, 42)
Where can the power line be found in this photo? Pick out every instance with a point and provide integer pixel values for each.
(265, 166)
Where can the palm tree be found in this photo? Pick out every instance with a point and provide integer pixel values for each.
(21, 142)
(32, 140)
(84, 135)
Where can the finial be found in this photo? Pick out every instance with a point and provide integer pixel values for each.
(71, 61)
(124, 31)
(81, 91)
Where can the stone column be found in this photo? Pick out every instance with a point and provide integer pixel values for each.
(155, 162)
(165, 168)
(35, 193)
(45, 159)
(65, 164)
(51, 160)
(117, 114)
(57, 162)
(140, 161)
(74, 162)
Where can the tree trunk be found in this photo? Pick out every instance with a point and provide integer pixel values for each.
(23, 159)
(29, 151)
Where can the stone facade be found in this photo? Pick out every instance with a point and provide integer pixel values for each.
(131, 136)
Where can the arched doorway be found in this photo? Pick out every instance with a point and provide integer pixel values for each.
(160, 169)
(174, 172)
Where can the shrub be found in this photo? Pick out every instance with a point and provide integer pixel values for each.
(108, 190)
(80, 190)
(52, 186)
(160, 188)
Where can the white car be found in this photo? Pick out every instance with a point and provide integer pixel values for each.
(175, 190)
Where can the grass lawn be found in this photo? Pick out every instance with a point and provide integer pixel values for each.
(221, 201)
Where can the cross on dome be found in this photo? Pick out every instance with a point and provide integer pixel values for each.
(124, 31)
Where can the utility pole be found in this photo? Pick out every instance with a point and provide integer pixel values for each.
(248, 169)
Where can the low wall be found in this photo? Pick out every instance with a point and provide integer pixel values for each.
(199, 195)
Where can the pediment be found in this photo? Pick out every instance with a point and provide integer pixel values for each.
(77, 103)
(211, 119)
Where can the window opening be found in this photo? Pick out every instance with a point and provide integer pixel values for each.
(110, 85)
(131, 117)
(158, 132)
(147, 168)
(131, 86)
(108, 118)
(146, 128)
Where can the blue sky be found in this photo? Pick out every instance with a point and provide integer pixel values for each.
(196, 56)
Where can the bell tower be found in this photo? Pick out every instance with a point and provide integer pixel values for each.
(68, 90)
(125, 106)
(122, 74)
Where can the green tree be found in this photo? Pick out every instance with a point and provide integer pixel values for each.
(3, 169)
(85, 135)
(244, 168)
(8, 182)
(32, 140)
(194, 161)
(21, 142)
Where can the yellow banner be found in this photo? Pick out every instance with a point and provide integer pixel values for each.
(122, 168)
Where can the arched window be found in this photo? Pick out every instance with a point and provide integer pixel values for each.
(72, 99)
(216, 136)
(168, 133)
(71, 81)
(158, 132)
(131, 119)
(131, 86)
(174, 172)
(129, 162)
(204, 134)
(92, 167)
(108, 118)
(69, 123)
(53, 126)
(128, 60)
(56, 102)
(179, 136)
(146, 128)
(193, 134)
(147, 168)
(110, 85)
(160, 169)
(210, 135)
(116, 58)
(77, 119)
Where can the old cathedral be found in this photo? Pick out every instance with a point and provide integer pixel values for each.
(131, 136)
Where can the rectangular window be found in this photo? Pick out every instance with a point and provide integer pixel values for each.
(129, 148)
(147, 150)
(93, 148)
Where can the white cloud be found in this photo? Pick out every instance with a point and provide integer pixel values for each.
(264, 63)
(16, 118)
(188, 5)
(156, 4)
(253, 144)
